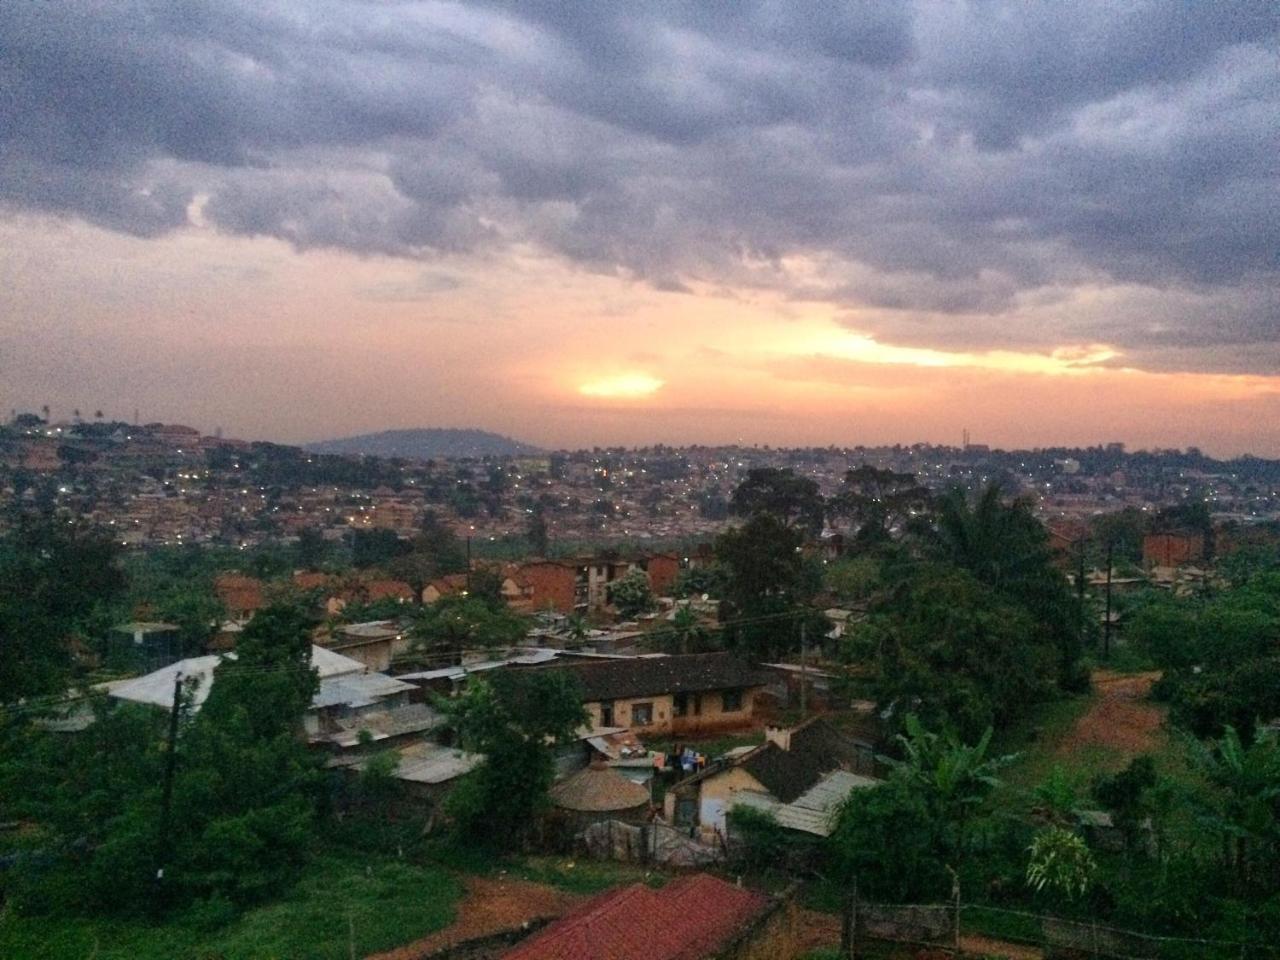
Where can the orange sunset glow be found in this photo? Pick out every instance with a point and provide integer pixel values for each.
(508, 241)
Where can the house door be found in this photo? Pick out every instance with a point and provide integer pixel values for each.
(606, 714)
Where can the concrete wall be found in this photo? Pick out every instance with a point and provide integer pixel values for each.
(551, 586)
(374, 654)
(714, 795)
(712, 718)
(1171, 549)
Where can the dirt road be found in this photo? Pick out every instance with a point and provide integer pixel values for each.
(1121, 719)
(491, 905)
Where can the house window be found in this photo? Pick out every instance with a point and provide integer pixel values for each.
(641, 714)
(606, 714)
(732, 700)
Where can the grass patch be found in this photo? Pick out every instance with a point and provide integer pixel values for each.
(584, 876)
(1035, 739)
(384, 902)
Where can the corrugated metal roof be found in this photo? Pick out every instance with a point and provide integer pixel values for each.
(358, 690)
(814, 811)
(432, 763)
(156, 688)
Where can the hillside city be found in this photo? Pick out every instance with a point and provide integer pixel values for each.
(639, 481)
(652, 672)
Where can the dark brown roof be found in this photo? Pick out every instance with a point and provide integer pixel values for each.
(816, 748)
(644, 676)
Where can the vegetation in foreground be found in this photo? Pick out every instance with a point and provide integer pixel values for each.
(341, 897)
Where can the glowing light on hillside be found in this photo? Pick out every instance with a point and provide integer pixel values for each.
(625, 385)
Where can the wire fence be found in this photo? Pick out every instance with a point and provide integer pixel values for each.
(975, 929)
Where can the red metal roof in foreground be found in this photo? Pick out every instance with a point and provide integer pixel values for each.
(685, 920)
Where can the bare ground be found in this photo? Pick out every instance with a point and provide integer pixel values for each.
(1121, 719)
(491, 905)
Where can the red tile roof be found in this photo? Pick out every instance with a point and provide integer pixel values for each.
(688, 919)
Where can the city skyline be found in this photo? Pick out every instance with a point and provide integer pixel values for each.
(670, 224)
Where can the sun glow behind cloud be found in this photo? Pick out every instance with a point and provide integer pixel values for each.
(622, 386)
(865, 349)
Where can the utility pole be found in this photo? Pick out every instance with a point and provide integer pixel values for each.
(170, 759)
(1106, 621)
(469, 560)
(804, 670)
(1080, 586)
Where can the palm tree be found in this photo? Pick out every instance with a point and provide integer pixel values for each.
(952, 778)
(1246, 811)
(576, 627)
(687, 632)
(995, 542)
(1005, 547)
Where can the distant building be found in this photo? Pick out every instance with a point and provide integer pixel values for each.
(778, 773)
(1172, 549)
(680, 695)
(241, 595)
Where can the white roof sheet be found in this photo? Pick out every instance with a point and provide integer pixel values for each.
(814, 811)
(433, 763)
(357, 690)
(156, 688)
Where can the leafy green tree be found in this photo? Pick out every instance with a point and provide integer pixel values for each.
(877, 501)
(196, 611)
(1056, 797)
(1123, 530)
(244, 793)
(687, 633)
(884, 839)
(780, 493)
(434, 552)
(1128, 796)
(900, 839)
(1006, 548)
(375, 548)
(91, 801)
(955, 651)
(708, 580)
(1244, 809)
(1219, 655)
(853, 579)
(312, 550)
(515, 718)
(631, 594)
(536, 534)
(58, 580)
(245, 800)
(456, 623)
(769, 584)
(952, 777)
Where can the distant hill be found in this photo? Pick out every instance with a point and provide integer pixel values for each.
(425, 444)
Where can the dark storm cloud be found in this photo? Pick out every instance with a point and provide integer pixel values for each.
(956, 171)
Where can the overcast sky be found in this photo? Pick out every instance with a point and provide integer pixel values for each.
(587, 223)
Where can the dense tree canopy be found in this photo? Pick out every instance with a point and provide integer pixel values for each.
(58, 582)
(514, 718)
(781, 493)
